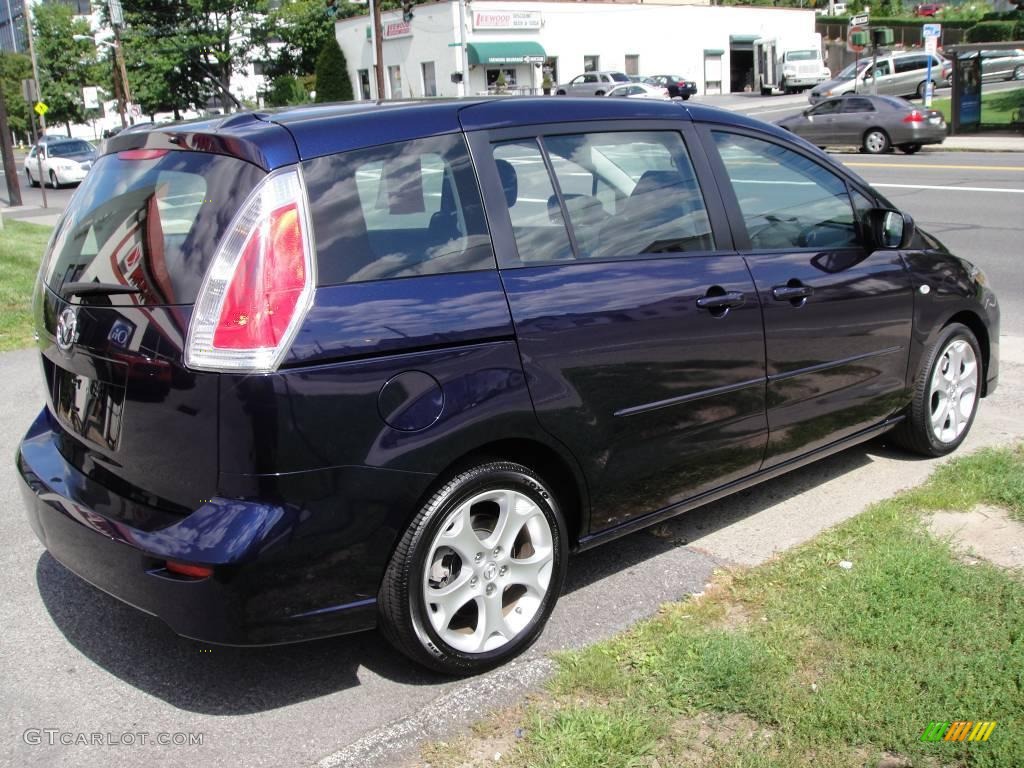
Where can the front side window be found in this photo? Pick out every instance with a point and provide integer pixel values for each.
(826, 108)
(397, 210)
(787, 200)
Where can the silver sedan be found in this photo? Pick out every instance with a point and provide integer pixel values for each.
(875, 123)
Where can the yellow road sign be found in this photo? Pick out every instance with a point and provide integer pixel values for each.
(40, 108)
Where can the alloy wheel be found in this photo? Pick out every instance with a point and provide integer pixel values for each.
(488, 570)
(954, 390)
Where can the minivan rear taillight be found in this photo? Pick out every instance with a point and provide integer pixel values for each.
(260, 284)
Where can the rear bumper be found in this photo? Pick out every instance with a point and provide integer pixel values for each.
(280, 572)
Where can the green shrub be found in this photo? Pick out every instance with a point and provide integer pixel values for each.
(285, 90)
(332, 81)
(991, 32)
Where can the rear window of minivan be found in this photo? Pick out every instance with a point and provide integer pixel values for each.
(149, 220)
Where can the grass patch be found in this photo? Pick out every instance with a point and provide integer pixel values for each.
(996, 108)
(830, 667)
(21, 249)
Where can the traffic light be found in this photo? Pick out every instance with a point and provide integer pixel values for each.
(332, 7)
(859, 38)
(407, 11)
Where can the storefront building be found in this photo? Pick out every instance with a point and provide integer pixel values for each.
(509, 46)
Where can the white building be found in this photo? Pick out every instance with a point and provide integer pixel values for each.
(523, 38)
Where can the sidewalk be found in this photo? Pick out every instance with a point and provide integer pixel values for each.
(981, 142)
(34, 214)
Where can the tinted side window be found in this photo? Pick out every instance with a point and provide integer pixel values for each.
(787, 200)
(827, 108)
(854, 104)
(532, 204)
(910, 63)
(656, 206)
(397, 210)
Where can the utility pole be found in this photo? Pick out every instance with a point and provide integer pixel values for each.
(378, 49)
(117, 21)
(463, 60)
(7, 151)
(39, 90)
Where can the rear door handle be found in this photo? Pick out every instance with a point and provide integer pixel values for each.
(792, 293)
(720, 301)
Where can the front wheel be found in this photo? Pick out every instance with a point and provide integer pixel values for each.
(686, 97)
(876, 141)
(599, 93)
(31, 182)
(477, 573)
(946, 393)
(1018, 72)
(53, 180)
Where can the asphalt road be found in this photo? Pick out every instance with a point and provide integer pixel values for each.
(76, 660)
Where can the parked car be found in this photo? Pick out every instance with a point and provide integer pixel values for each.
(894, 74)
(875, 123)
(928, 9)
(63, 161)
(592, 84)
(418, 353)
(995, 65)
(639, 91)
(679, 87)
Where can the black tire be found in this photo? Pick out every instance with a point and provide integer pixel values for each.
(599, 93)
(686, 97)
(915, 433)
(909, 149)
(53, 180)
(1018, 72)
(922, 86)
(31, 182)
(560, 92)
(401, 604)
(876, 141)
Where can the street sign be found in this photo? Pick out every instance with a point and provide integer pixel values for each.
(136, 111)
(850, 44)
(28, 90)
(860, 20)
(931, 34)
(91, 97)
(40, 108)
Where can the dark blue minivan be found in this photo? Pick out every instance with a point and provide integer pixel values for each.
(314, 371)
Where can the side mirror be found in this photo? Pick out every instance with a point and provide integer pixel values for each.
(890, 229)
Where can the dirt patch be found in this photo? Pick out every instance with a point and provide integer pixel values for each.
(699, 737)
(985, 532)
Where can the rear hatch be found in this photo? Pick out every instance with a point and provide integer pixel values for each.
(116, 292)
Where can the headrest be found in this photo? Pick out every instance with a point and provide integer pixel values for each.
(509, 181)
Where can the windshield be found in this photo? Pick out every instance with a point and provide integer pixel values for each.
(618, 77)
(69, 148)
(856, 67)
(151, 223)
(809, 55)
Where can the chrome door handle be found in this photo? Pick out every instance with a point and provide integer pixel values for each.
(719, 301)
(793, 293)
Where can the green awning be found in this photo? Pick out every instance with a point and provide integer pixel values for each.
(714, 51)
(743, 38)
(520, 52)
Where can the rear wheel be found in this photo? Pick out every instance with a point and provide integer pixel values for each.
(53, 180)
(923, 86)
(946, 393)
(477, 573)
(686, 97)
(876, 141)
(599, 93)
(560, 92)
(1018, 72)
(909, 149)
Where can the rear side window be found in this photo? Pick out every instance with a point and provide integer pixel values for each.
(150, 220)
(397, 210)
(911, 63)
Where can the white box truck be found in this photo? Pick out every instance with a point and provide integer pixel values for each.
(788, 65)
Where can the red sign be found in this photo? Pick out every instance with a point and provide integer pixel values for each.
(849, 40)
(395, 29)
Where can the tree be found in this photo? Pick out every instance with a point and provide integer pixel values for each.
(15, 67)
(285, 90)
(66, 65)
(332, 80)
(184, 51)
(294, 34)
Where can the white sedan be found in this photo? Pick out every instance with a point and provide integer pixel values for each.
(639, 91)
(64, 161)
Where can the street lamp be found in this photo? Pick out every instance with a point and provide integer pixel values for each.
(124, 94)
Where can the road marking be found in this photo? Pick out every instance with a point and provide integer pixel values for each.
(948, 189)
(917, 166)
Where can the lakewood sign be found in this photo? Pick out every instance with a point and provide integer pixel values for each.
(506, 20)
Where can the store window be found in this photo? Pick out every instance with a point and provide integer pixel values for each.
(364, 84)
(632, 64)
(429, 79)
(395, 80)
(591, 63)
(492, 77)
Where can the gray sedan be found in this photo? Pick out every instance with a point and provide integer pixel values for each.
(875, 123)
